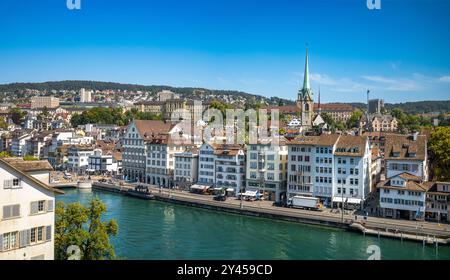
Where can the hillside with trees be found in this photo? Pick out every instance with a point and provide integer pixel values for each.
(185, 92)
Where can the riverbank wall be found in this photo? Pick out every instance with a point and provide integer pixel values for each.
(283, 215)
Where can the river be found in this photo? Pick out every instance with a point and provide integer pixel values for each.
(158, 231)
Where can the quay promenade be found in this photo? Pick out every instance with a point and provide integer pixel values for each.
(420, 231)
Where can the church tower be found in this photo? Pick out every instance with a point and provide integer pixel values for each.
(305, 100)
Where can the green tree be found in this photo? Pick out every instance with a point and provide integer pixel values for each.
(17, 115)
(4, 154)
(44, 114)
(353, 121)
(83, 227)
(440, 153)
(3, 124)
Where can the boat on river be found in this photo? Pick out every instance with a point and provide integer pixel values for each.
(142, 192)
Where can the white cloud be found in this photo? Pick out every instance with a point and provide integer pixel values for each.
(444, 79)
(341, 84)
(394, 84)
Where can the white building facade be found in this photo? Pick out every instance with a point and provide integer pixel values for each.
(266, 169)
(27, 216)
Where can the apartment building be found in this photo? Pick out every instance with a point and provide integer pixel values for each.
(102, 163)
(406, 153)
(229, 167)
(310, 166)
(352, 163)
(27, 211)
(40, 102)
(379, 123)
(266, 168)
(160, 161)
(135, 150)
(438, 202)
(78, 158)
(19, 142)
(186, 167)
(206, 167)
(403, 196)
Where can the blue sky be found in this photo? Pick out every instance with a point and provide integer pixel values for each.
(400, 52)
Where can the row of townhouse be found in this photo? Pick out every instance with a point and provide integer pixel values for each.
(27, 205)
(151, 155)
(329, 166)
(335, 168)
(222, 166)
(406, 191)
(407, 196)
(332, 167)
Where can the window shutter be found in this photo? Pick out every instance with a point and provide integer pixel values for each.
(48, 233)
(49, 205)
(16, 210)
(33, 207)
(7, 184)
(23, 236)
(6, 212)
(1, 242)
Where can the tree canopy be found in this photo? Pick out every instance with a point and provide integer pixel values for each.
(440, 153)
(408, 123)
(82, 226)
(115, 116)
(17, 115)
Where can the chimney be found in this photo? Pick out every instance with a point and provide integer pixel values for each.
(414, 136)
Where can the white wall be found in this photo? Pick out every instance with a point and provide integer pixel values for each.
(24, 196)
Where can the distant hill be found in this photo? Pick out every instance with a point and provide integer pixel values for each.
(185, 92)
(418, 107)
(205, 94)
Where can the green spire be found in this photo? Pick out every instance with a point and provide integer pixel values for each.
(306, 85)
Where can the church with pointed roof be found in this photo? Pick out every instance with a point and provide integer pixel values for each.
(305, 99)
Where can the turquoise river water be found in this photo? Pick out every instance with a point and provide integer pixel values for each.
(154, 230)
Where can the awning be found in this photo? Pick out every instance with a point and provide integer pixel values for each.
(349, 200)
(250, 193)
(199, 187)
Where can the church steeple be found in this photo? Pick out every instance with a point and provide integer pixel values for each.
(306, 85)
(305, 100)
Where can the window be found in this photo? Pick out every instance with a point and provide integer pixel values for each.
(11, 211)
(41, 206)
(37, 234)
(40, 231)
(11, 184)
(10, 241)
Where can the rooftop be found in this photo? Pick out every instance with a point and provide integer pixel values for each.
(404, 147)
(29, 166)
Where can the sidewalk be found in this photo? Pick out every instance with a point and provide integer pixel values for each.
(376, 223)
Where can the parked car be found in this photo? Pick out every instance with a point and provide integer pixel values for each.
(279, 204)
(220, 197)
